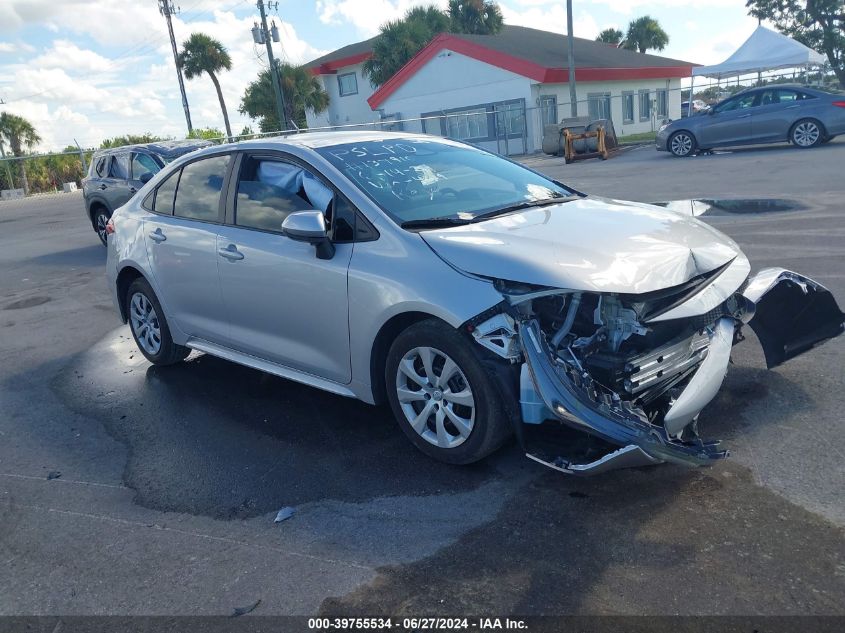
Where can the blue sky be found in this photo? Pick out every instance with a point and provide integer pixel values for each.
(92, 69)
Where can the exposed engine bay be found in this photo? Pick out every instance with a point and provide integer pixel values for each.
(607, 365)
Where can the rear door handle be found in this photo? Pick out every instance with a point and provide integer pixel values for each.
(132, 190)
(793, 106)
(158, 236)
(743, 116)
(231, 253)
(102, 186)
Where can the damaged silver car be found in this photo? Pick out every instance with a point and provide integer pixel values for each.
(479, 298)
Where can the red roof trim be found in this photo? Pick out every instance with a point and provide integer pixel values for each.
(331, 67)
(516, 65)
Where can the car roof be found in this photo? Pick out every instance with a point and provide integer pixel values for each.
(166, 149)
(317, 140)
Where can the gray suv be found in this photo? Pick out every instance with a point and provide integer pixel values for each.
(117, 173)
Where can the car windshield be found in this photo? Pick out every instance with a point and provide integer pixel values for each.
(420, 180)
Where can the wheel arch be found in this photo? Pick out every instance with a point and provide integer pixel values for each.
(94, 205)
(124, 279)
(381, 346)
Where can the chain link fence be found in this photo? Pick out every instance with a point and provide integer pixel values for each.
(509, 128)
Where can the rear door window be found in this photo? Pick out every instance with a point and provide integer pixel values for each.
(165, 194)
(198, 194)
(271, 189)
(119, 167)
(100, 167)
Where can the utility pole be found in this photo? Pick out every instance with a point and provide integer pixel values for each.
(573, 95)
(166, 8)
(263, 35)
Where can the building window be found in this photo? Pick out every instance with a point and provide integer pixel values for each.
(510, 118)
(663, 103)
(645, 105)
(347, 84)
(598, 105)
(627, 107)
(548, 109)
(467, 124)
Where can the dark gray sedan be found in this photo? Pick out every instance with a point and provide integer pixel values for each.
(803, 116)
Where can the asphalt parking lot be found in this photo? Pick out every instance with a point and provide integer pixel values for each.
(128, 489)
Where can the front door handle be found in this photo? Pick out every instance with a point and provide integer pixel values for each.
(132, 190)
(231, 253)
(743, 116)
(102, 187)
(158, 236)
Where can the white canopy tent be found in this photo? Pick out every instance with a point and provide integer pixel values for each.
(764, 50)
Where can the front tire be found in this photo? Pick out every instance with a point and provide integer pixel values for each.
(441, 395)
(149, 326)
(100, 220)
(682, 144)
(806, 133)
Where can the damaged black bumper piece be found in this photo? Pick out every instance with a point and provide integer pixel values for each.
(789, 313)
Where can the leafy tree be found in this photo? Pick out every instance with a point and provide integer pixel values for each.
(645, 33)
(400, 40)
(819, 24)
(301, 90)
(247, 132)
(478, 17)
(203, 54)
(207, 133)
(130, 139)
(20, 134)
(611, 36)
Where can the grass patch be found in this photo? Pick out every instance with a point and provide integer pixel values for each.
(638, 138)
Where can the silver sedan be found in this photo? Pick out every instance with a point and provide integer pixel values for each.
(478, 298)
(804, 116)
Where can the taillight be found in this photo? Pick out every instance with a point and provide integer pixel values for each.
(110, 226)
(839, 104)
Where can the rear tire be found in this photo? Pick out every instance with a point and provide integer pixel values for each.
(682, 144)
(100, 219)
(806, 133)
(149, 326)
(442, 397)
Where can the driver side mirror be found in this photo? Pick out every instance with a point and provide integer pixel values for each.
(309, 226)
(146, 177)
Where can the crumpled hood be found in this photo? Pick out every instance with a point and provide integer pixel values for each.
(591, 244)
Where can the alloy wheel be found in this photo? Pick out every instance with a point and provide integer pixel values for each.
(681, 144)
(435, 396)
(806, 134)
(102, 221)
(145, 324)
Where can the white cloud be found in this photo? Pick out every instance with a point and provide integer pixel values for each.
(367, 15)
(551, 18)
(66, 54)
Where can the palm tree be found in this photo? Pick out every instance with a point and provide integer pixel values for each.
(19, 133)
(203, 54)
(645, 33)
(301, 90)
(400, 40)
(610, 36)
(478, 17)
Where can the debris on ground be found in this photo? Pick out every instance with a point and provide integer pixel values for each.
(283, 514)
(53, 474)
(244, 610)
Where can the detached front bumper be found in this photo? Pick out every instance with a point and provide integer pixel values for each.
(789, 313)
